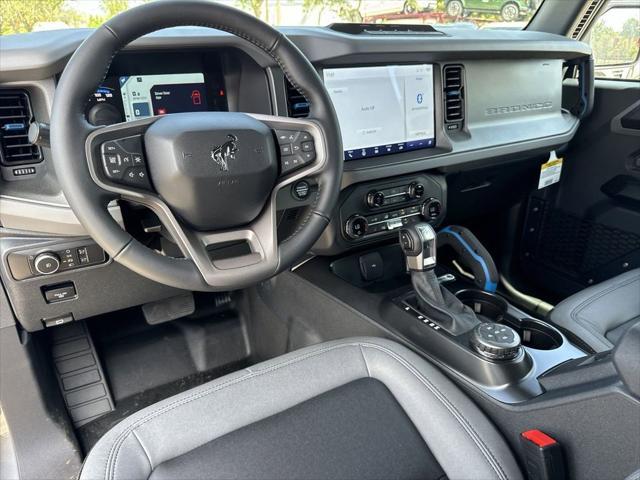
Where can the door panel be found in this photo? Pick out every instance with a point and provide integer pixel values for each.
(586, 228)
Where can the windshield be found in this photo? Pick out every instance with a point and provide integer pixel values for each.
(20, 16)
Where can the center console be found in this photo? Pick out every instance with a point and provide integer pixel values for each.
(456, 319)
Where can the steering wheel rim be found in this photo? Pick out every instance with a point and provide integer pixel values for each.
(88, 194)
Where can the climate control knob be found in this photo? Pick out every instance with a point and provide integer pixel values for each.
(47, 263)
(375, 199)
(356, 227)
(416, 190)
(431, 209)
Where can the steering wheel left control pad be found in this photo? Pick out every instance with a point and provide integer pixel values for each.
(123, 162)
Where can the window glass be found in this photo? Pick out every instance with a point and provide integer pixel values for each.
(21, 16)
(615, 40)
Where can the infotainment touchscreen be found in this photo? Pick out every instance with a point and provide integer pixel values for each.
(147, 95)
(383, 110)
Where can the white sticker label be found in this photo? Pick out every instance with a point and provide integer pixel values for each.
(550, 171)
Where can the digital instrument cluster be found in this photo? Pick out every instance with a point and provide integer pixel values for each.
(138, 87)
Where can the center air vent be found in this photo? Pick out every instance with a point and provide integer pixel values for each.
(297, 105)
(453, 95)
(15, 117)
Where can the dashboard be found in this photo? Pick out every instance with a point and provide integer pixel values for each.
(413, 110)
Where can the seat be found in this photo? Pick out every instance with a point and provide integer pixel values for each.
(599, 315)
(353, 408)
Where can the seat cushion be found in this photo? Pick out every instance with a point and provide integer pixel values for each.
(356, 430)
(599, 315)
(353, 408)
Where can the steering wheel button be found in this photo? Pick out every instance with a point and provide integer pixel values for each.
(301, 190)
(136, 177)
(112, 160)
(309, 156)
(304, 137)
(137, 159)
(308, 146)
(112, 167)
(109, 147)
(287, 136)
(286, 149)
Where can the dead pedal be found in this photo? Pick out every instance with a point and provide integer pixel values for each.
(79, 373)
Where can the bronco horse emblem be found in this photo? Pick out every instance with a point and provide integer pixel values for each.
(221, 154)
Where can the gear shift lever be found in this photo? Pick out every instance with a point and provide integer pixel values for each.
(418, 243)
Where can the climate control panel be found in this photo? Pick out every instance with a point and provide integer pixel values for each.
(377, 209)
(395, 195)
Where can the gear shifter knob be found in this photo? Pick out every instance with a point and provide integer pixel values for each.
(419, 245)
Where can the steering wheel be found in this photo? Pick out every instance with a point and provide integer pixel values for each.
(211, 177)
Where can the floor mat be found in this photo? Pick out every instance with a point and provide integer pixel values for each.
(90, 433)
(138, 357)
(144, 364)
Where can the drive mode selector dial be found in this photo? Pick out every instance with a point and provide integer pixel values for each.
(495, 341)
(47, 263)
(356, 227)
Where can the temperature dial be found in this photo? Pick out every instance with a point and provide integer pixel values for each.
(356, 227)
(431, 209)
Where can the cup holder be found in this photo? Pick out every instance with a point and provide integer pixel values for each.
(538, 335)
(533, 333)
(484, 303)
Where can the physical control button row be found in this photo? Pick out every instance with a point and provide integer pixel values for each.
(389, 221)
(46, 263)
(123, 162)
(394, 195)
(297, 149)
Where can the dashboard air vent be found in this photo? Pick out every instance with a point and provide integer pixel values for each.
(297, 105)
(453, 95)
(15, 117)
(384, 28)
(587, 15)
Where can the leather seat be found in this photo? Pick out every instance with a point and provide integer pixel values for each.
(354, 408)
(599, 315)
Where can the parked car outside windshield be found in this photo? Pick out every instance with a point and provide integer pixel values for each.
(22, 16)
